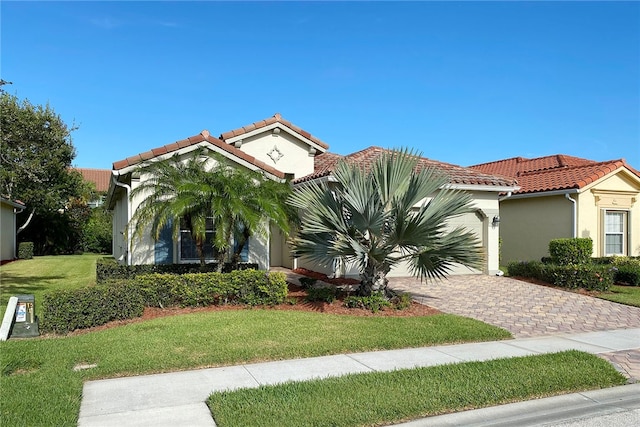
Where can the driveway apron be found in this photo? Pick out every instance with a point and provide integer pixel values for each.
(524, 309)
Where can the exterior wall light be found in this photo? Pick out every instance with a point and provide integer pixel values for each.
(496, 220)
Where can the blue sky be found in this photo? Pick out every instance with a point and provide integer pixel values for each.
(464, 82)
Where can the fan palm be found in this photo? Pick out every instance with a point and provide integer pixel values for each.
(197, 192)
(379, 217)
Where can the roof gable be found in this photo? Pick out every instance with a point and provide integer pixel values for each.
(203, 137)
(325, 164)
(272, 122)
(553, 173)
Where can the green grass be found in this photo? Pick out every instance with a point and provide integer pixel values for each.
(629, 295)
(41, 274)
(38, 382)
(392, 397)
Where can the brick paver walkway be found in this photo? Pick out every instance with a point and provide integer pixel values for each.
(522, 308)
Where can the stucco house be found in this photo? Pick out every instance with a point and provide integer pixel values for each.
(564, 196)
(282, 150)
(8, 211)
(101, 178)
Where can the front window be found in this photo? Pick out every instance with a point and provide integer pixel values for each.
(188, 251)
(614, 232)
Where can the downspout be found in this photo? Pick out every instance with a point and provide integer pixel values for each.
(16, 211)
(575, 219)
(505, 197)
(128, 191)
(500, 199)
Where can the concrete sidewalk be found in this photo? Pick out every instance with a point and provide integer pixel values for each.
(177, 399)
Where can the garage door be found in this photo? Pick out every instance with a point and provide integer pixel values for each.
(472, 222)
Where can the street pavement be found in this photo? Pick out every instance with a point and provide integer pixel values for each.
(543, 320)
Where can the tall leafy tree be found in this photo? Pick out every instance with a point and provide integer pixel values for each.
(36, 153)
(198, 190)
(376, 218)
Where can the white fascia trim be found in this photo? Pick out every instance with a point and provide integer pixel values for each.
(322, 179)
(190, 148)
(492, 188)
(545, 194)
(281, 127)
(12, 203)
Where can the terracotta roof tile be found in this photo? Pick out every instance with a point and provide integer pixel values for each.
(266, 122)
(325, 163)
(549, 173)
(100, 177)
(192, 140)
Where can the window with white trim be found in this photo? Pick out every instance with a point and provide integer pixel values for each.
(615, 230)
(187, 247)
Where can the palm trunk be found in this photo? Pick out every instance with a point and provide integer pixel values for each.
(373, 279)
(200, 250)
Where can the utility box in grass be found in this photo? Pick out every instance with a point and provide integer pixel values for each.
(25, 324)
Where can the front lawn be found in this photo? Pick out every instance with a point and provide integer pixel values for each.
(41, 274)
(629, 295)
(382, 398)
(39, 384)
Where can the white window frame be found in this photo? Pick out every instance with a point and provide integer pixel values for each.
(623, 233)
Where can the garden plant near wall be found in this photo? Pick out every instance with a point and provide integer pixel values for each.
(571, 266)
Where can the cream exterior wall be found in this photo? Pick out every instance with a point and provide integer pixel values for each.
(528, 224)
(7, 232)
(616, 191)
(295, 159)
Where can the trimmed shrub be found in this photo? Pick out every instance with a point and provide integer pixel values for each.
(325, 294)
(627, 275)
(307, 282)
(586, 276)
(374, 302)
(571, 251)
(67, 310)
(108, 269)
(25, 250)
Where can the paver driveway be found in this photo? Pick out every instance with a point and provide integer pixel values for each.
(522, 308)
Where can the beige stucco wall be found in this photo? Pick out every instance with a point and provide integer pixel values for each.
(617, 191)
(7, 232)
(295, 159)
(528, 224)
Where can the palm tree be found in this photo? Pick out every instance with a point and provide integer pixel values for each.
(197, 191)
(390, 213)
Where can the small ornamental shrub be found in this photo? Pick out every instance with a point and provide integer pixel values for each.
(627, 275)
(307, 282)
(374, 302)
(531, 269)
(325, 294)
(571, 251)
(586, 276)
(25, 250)
(401, 301)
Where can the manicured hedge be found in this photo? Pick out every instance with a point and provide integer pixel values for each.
(571, 251)
(108, 269)
(67, 310)
(585, 276)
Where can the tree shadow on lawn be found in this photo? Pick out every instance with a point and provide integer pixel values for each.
(11, 284)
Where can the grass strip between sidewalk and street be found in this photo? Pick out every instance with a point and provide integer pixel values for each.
(381, 398)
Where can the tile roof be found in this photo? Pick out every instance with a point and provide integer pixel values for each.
(556, 172)
(266, 122)
(100, 177)
(326, 162)
(203, 136)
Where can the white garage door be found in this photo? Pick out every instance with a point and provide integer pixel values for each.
(472, 222)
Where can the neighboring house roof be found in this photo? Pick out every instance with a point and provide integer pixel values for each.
(325, 164)
(100, 177)
(553, 173)
(15, 203)
(203, 136)
(277, 118)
